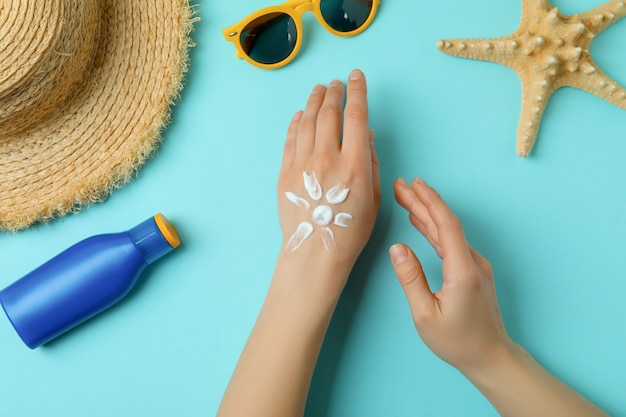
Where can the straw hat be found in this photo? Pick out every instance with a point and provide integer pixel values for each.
(86, 88)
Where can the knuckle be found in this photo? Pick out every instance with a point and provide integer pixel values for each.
(453, 222)
(421, 317)
(324, 166)
(307, 123)
(356, 87)
(329, 111)
(473, 281)
(357, 113)
(282, 184)
(409, 274)
(487, 268)
(290, 144)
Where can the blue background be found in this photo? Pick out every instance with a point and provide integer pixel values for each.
(553, 226)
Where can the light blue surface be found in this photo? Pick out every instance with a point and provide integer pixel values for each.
(553, 226)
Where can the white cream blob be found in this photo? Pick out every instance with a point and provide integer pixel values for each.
(328, 237)
(302, 233)
(342, 219)
(322, 215)
(312, 186)
(337, 194)
(300, 202)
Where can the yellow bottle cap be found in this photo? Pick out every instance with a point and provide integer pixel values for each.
(168, 231)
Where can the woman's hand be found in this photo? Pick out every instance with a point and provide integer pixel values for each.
(461, 323)
(329, 184)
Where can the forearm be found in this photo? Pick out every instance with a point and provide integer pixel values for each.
(328, 198)
(516, 385)
(274, 371)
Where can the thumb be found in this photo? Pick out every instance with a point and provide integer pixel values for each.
(412, 279)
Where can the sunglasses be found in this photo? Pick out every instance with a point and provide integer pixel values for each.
(271, 37)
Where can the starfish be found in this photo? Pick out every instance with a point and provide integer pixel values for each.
(548, 51)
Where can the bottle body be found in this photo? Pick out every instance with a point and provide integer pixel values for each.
(80, 282)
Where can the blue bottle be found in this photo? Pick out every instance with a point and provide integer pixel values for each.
(84, 280)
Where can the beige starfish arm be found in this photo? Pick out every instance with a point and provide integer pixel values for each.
(603, 16)
(531, 9)
(499, 50)
(593, 80)
(535, 95)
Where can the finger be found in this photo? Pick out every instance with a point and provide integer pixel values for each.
(375, 168)
(429, 232)
(451, 236)
(306, 131)
(289, 150)
(413, 281)
(480, 260)
(407, 198)
(355, 120)
(328, 129)
(373, 153)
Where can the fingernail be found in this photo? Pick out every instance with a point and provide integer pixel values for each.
(372, 136)
(419, 181)
(398, 254)
(403, 182)
(356, 75)
(317, 89)
(297, 116)
(335, 83)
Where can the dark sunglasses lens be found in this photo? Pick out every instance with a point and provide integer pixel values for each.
(270, 38)
(346, 15)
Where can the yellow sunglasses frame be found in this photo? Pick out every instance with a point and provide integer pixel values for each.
(295, 9)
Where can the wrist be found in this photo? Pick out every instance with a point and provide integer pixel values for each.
(517, 385)
(499, 363)
(509, 378)
(320, 277)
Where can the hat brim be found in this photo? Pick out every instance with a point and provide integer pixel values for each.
(98, 138)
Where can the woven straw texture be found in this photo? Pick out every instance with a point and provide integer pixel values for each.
(86, 88)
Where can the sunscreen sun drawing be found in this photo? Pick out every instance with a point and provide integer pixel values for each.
(322, 215)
